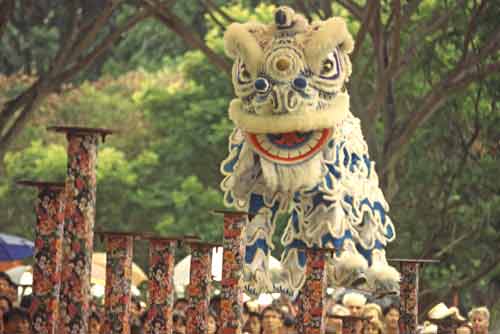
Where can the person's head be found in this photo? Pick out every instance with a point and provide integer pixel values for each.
(373, 312)
(16, 321)
(135, 307)
(94, 323)
(254, 323)
(26, 302)
(272, 319)
(8, 287)
(5, 304)
(374, 326)
(212, 323)
(354, 302)
(5, 282)
(480, 319)
(136, 329)
(333, 324)
(179, 320)
(289, 325)
(464, 329)
(214, 305)
(181, 305)
(391, 317)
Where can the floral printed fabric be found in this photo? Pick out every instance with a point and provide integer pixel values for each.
(408, 296)
(199, 289)
(312, 295)
(161, 287)
(119, 251)
(78, 233)
(49, 209)
(232, 269)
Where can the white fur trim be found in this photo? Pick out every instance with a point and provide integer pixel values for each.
(300, 121)
(382, 272)
(330, 34)
(239, 42)
(353, 299)
(352, 261)
(292, 178)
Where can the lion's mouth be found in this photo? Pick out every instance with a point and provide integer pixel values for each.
(289, 147)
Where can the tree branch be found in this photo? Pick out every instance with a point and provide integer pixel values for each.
(301, 6)
(471, 28)
(439, 19)
(104, 45)
(6, 9)
(436, 97)
(88, 35)
(395, 32)
(408, 10)
(190, 37)
(29, 102)
(212, 16)
(355, 9)
(326, 7)
(68, 37)
(32, 97)
(218, 10)
(369, 13)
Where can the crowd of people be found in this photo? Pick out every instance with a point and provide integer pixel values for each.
(280, 317)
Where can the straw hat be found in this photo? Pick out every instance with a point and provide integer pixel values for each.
(429, 328)
(441, 311)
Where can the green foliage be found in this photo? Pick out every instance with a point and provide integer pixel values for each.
(191, 204)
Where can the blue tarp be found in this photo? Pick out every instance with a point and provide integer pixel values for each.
(14, 248)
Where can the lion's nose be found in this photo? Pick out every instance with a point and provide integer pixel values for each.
(284, 100)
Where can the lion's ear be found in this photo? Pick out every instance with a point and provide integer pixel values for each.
(326, 37)
(240, 43)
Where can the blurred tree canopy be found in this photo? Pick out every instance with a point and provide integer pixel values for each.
(425, 83)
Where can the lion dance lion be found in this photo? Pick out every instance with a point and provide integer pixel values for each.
(297, 148)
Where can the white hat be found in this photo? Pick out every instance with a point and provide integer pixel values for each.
(429, 328)
(441, 311)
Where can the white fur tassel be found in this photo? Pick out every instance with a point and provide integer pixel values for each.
(382, 273)
(331, 33)
(239, 42)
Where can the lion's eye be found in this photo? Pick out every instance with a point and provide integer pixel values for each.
(330, 68)
(327, 67)
(243, 74)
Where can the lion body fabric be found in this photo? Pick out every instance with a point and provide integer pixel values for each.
(297, 148)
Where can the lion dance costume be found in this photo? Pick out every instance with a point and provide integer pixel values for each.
(297, 148)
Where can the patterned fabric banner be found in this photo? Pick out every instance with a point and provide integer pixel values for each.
(232, 269)
(313, 293)
(78, 232)
(161, 286)
(198, 291)
(409, 296)
(119, 252)
(49, 209)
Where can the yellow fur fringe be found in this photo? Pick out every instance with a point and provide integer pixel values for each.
(239, 42)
